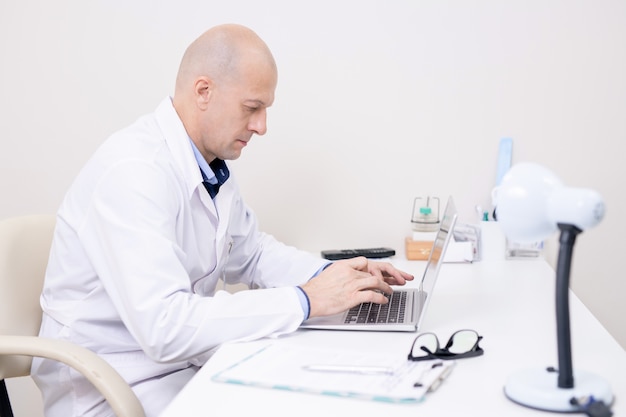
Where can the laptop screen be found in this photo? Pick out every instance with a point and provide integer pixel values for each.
(435, 258)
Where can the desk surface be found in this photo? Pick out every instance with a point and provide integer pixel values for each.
(510, 303)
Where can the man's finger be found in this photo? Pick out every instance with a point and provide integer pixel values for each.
(359, 263)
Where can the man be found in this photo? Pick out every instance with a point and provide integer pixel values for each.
(154, 221)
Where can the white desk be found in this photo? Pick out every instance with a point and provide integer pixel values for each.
(510, 303)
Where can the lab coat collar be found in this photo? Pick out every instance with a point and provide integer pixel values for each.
(178, 142)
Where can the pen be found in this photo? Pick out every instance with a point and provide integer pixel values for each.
(352, 369)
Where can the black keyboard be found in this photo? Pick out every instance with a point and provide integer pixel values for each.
(335, 255)
(392, 312)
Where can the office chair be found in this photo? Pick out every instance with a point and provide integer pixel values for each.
(24, 248)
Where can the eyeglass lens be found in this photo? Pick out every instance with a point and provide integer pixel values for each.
(462, 341)
(425, 344)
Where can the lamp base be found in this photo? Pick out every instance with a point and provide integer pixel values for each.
(538, 388)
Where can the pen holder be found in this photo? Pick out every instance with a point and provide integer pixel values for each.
(470, 233)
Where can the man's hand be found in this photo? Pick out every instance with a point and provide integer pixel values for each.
(350, 282)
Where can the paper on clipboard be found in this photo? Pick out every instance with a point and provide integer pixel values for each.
(282, 366)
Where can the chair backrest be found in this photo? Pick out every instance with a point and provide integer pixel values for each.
(24, 249)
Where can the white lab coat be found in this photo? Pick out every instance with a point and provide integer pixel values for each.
(137, 253)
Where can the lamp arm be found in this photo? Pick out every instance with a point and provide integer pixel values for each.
(567, 239)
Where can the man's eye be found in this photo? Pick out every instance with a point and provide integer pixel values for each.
(252, 109)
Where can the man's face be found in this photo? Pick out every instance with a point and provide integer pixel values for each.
(236, 111)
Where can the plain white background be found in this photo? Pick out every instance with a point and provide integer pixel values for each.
(378, 102)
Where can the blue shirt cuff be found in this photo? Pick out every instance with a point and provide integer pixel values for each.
(319, 271)
(304, 302)
(304, 299)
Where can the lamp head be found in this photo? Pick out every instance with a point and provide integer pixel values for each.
(531, 201)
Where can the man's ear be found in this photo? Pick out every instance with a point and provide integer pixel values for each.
(203, 89)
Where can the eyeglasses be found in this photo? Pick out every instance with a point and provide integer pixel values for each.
(462, 344)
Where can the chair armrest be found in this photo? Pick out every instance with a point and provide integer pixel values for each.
(103, 376)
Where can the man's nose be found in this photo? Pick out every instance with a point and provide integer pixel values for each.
(258, 123)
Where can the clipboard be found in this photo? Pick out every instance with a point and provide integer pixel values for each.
(288, 368)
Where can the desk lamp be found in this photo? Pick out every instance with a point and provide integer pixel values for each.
(531, 204)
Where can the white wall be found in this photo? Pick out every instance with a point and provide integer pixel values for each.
(373, 98)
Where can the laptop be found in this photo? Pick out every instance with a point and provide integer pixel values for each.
(407, 306)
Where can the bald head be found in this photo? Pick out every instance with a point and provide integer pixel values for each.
(225, 84)
(222, 53)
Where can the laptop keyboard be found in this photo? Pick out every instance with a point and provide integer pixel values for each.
(392, 312)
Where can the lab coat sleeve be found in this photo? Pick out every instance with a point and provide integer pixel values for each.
(129, 234)
(259, 260)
